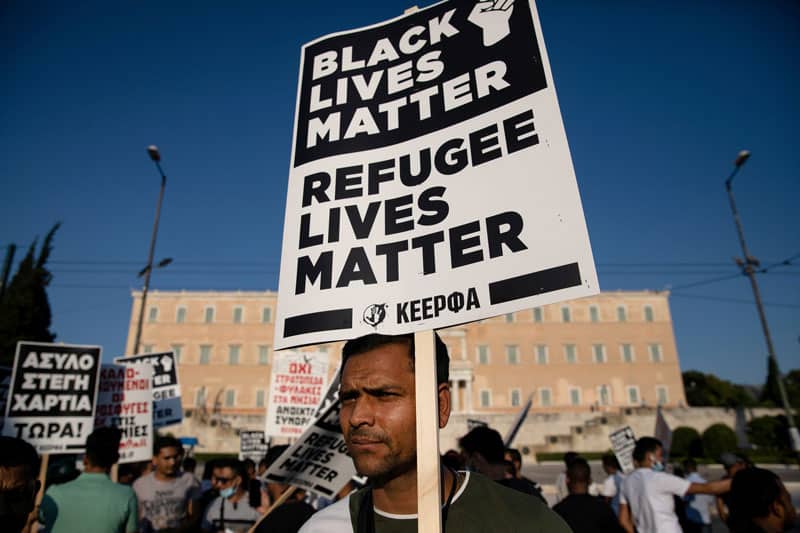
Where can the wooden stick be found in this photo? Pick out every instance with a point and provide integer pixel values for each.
(115, 472)
(429, 518)
(42, 477)
(285, 496)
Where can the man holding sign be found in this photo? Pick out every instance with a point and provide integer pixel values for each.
(378, 422)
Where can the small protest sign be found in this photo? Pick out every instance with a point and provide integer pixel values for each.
(52, 396)
(318, 460)
(297, 387)
(622, 443)
(5, 385)
(431, 182)
(252, 445)
(167, 407)
(125, 400)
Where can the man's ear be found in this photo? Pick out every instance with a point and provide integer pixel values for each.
(444, 404)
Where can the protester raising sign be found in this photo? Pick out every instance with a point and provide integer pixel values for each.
(167, 407)
(126, 401)
(296, 389)
(52, 398)
(623, 442)
(431, 182)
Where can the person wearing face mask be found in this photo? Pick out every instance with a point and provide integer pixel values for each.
(646, 500)
(231, 510)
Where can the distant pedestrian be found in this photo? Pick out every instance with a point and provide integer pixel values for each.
(189, 465)
(513, 455)
(732, 463)
(92, 503)
(231, 510)
(647, 499)
(612, 486)
(19, 484)
(167, 496)
(759, 502)
(290, 516)
(697, 509)
(561, 480)
(585, 513)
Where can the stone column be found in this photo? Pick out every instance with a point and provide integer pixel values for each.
(468, 401)
(454, 403)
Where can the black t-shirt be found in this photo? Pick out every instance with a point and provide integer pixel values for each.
(587, 514)
(287, 518)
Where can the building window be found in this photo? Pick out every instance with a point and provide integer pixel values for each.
(266, 315)
(233, 354)
(205, 354)
(208, 316)
(238, 312)
(509, 318)
(486, 398)
(599, 353)
(570, 354)
(604, 395)
(230, 397)
(537, 315)
(626, 352)
(152, 314)
(545, 398)
(147, 348)
(648, 313)
(594, 313)
(263, 354)
(661, 395)
(541, 354)
(200, 397)
(622, 314)
(633, 395)
(180, 315)
(655, 353)
(483, 354)
(177, 349)
(574, 396)
(260, 398)
(566, 314)
(512, 354)
(515, 398)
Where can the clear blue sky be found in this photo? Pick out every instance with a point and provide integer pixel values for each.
(657, 97)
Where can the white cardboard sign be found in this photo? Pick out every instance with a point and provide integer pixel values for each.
(297, 387)
(167, 408)
(125, 400)
(53, 394)
(623, 442)
(431, 183)
(252, 445)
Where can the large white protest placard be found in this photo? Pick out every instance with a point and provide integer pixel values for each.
(431, 182)
(125, 400)
(52, 398)
(318, 460)
(296, 389)
(252, 445)
(167, 409)
(623, 442)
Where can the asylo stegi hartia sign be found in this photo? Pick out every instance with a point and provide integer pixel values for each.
(431, 182)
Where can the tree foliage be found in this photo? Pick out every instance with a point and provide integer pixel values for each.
(769, 432)
(707, 390)
(25, 308)
(717, 439)
(686, 442)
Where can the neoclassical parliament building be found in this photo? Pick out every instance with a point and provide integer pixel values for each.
(595, 354)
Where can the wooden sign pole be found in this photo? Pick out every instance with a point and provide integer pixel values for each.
(114, 472)
(285, 496)
(42, 477)
(429, 518)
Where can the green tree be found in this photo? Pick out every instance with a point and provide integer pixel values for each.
(792, 381)
(25, 309)
(717, 439)
(707, 390)
(686, 442)
(769, 432)
(771, 393)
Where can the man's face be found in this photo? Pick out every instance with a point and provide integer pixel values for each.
(789, 512)
(225, 477)
(168, 461)
(17, 495)
(378, 412)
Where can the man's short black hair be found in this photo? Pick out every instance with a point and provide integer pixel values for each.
(102, 446)
(376, 340)
(610, 460)
(236, 465)
(689, 464)
(189, 464)
(485, 441)
(167, 441)
(569, 457)
(753, 491)
(644, 446)
(16, 452)
(578, 471)
(515, 455)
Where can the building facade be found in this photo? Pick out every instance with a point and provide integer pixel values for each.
(595, 354)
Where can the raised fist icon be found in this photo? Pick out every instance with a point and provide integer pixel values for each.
(166, 363)
(492, 17)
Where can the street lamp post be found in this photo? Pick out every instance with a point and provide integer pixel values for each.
(156, 157)
(749, 265)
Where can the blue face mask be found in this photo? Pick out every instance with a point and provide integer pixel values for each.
(227, 493)
(658, 466)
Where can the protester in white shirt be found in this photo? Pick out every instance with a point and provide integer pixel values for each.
(647, 501)
(698, 506)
